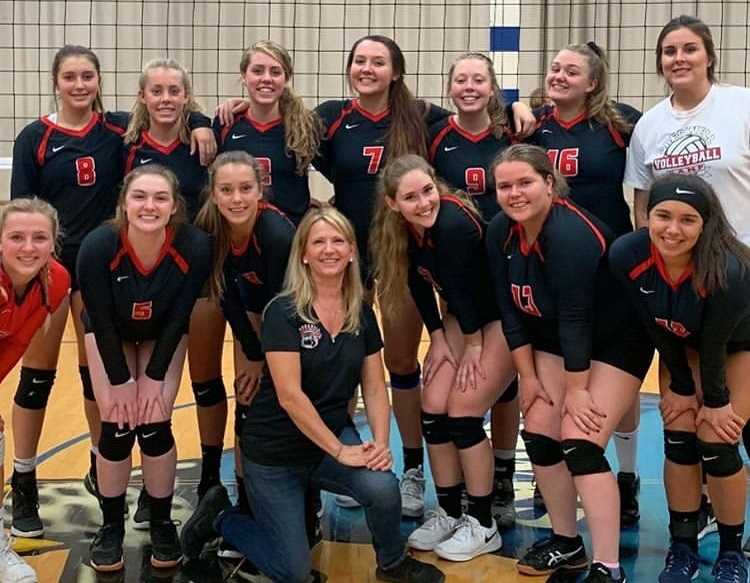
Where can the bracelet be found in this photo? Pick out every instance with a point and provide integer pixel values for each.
(338, 453)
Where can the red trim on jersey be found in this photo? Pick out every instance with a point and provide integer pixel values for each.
(462, 205)
(436, 142)
(166, 249)
(41, 151)
(151, 141)
(474, 138)
(374, 117)
(597, 233)
(260, 126)
(239, 251)
(616, 135)
(224, 131)
(114, 128)
(661, 268)
(333, 128)
(131, 156)
(71, 132)
(264, 205)
(641, 268)
(570, 123)
(523, 243)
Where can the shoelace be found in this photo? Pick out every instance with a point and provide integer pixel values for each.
(11, 557)
(465, 529)
(726, 568)
(412, 484)
(679, 563)
(434, 518)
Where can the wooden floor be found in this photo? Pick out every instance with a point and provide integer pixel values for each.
(63, 455)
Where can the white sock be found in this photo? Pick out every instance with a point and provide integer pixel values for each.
(626, 445)
(24, 466)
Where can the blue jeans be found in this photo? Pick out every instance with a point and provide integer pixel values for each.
(275, 539)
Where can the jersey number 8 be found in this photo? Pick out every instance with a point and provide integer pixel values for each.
(85, 171)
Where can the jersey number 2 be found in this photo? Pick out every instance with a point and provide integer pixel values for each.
(565, 160)
(375, 153)
(85, 171)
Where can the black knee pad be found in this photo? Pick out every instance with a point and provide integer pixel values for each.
(681, 447)
(584, 457)
(34, 387)
(466, 432)
(720, 460)
(155, 439)
(435, 428)
(405, 382)
(511, 392)
(88, 387)
(542, 450)
(210, 393)
(115, 444)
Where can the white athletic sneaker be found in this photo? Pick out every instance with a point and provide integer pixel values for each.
(13, 569)
(470, 540)
(437, 528)
(412, 492)
(346, 501)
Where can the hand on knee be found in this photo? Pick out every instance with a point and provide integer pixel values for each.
(584, 457)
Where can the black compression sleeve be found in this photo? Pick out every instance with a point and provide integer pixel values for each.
(24, 180)
(242, 328)
(424, 297)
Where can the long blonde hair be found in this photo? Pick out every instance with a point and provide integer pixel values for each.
(211, 220)
(302, 127)
(34, 205)
(140, 120)
(495, 106)
(298, 282)
(389, 236)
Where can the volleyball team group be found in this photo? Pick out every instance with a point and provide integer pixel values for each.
(504, 231)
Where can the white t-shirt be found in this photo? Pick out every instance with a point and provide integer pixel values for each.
(711, 140)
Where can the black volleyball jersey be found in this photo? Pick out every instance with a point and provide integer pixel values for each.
(282, 185)
(463, 160)
(676, 316)
(558, 290)
(76, 171)
(176, 156)
(127, 302)
(591, 157)
(254, 274)
(330, 368)
(352, 153)
(451, 258)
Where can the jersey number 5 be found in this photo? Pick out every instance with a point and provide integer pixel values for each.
(375, 153)
(142, 310)
(85, 171)
(565, 160)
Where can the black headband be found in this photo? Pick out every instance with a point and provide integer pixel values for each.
(683, 189)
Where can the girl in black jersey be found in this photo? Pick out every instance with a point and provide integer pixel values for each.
(73, 159)
(580, 358)
(462, 148)
(140, 276)
(586, 135)
(435, 241)
(688, 275)
(320, 340)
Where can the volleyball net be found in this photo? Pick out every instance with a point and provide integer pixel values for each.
(208, 37)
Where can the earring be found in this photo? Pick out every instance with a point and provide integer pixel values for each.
(351, 259)
(304, 261)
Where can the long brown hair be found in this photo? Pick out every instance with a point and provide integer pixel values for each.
(302, 127)
(407, 133)
(211, 220)
(298, 282)
(140, 119)
(495, 106)
(697, 27)
(599, 105)
(78, 51)
(716, 242)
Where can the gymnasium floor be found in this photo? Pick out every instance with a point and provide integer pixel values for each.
(71, 516)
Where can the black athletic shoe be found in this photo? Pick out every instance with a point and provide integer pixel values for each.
(601, 574)
(106, 549)
(142, 516)
(199, 529)
(25, 495)
(165, 545)
(503, 499)
(411, 571)
(629, 486)
(550, 554)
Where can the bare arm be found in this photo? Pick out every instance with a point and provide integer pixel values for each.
(640, 200)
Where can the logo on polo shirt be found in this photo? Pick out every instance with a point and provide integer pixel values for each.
(309, 336)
